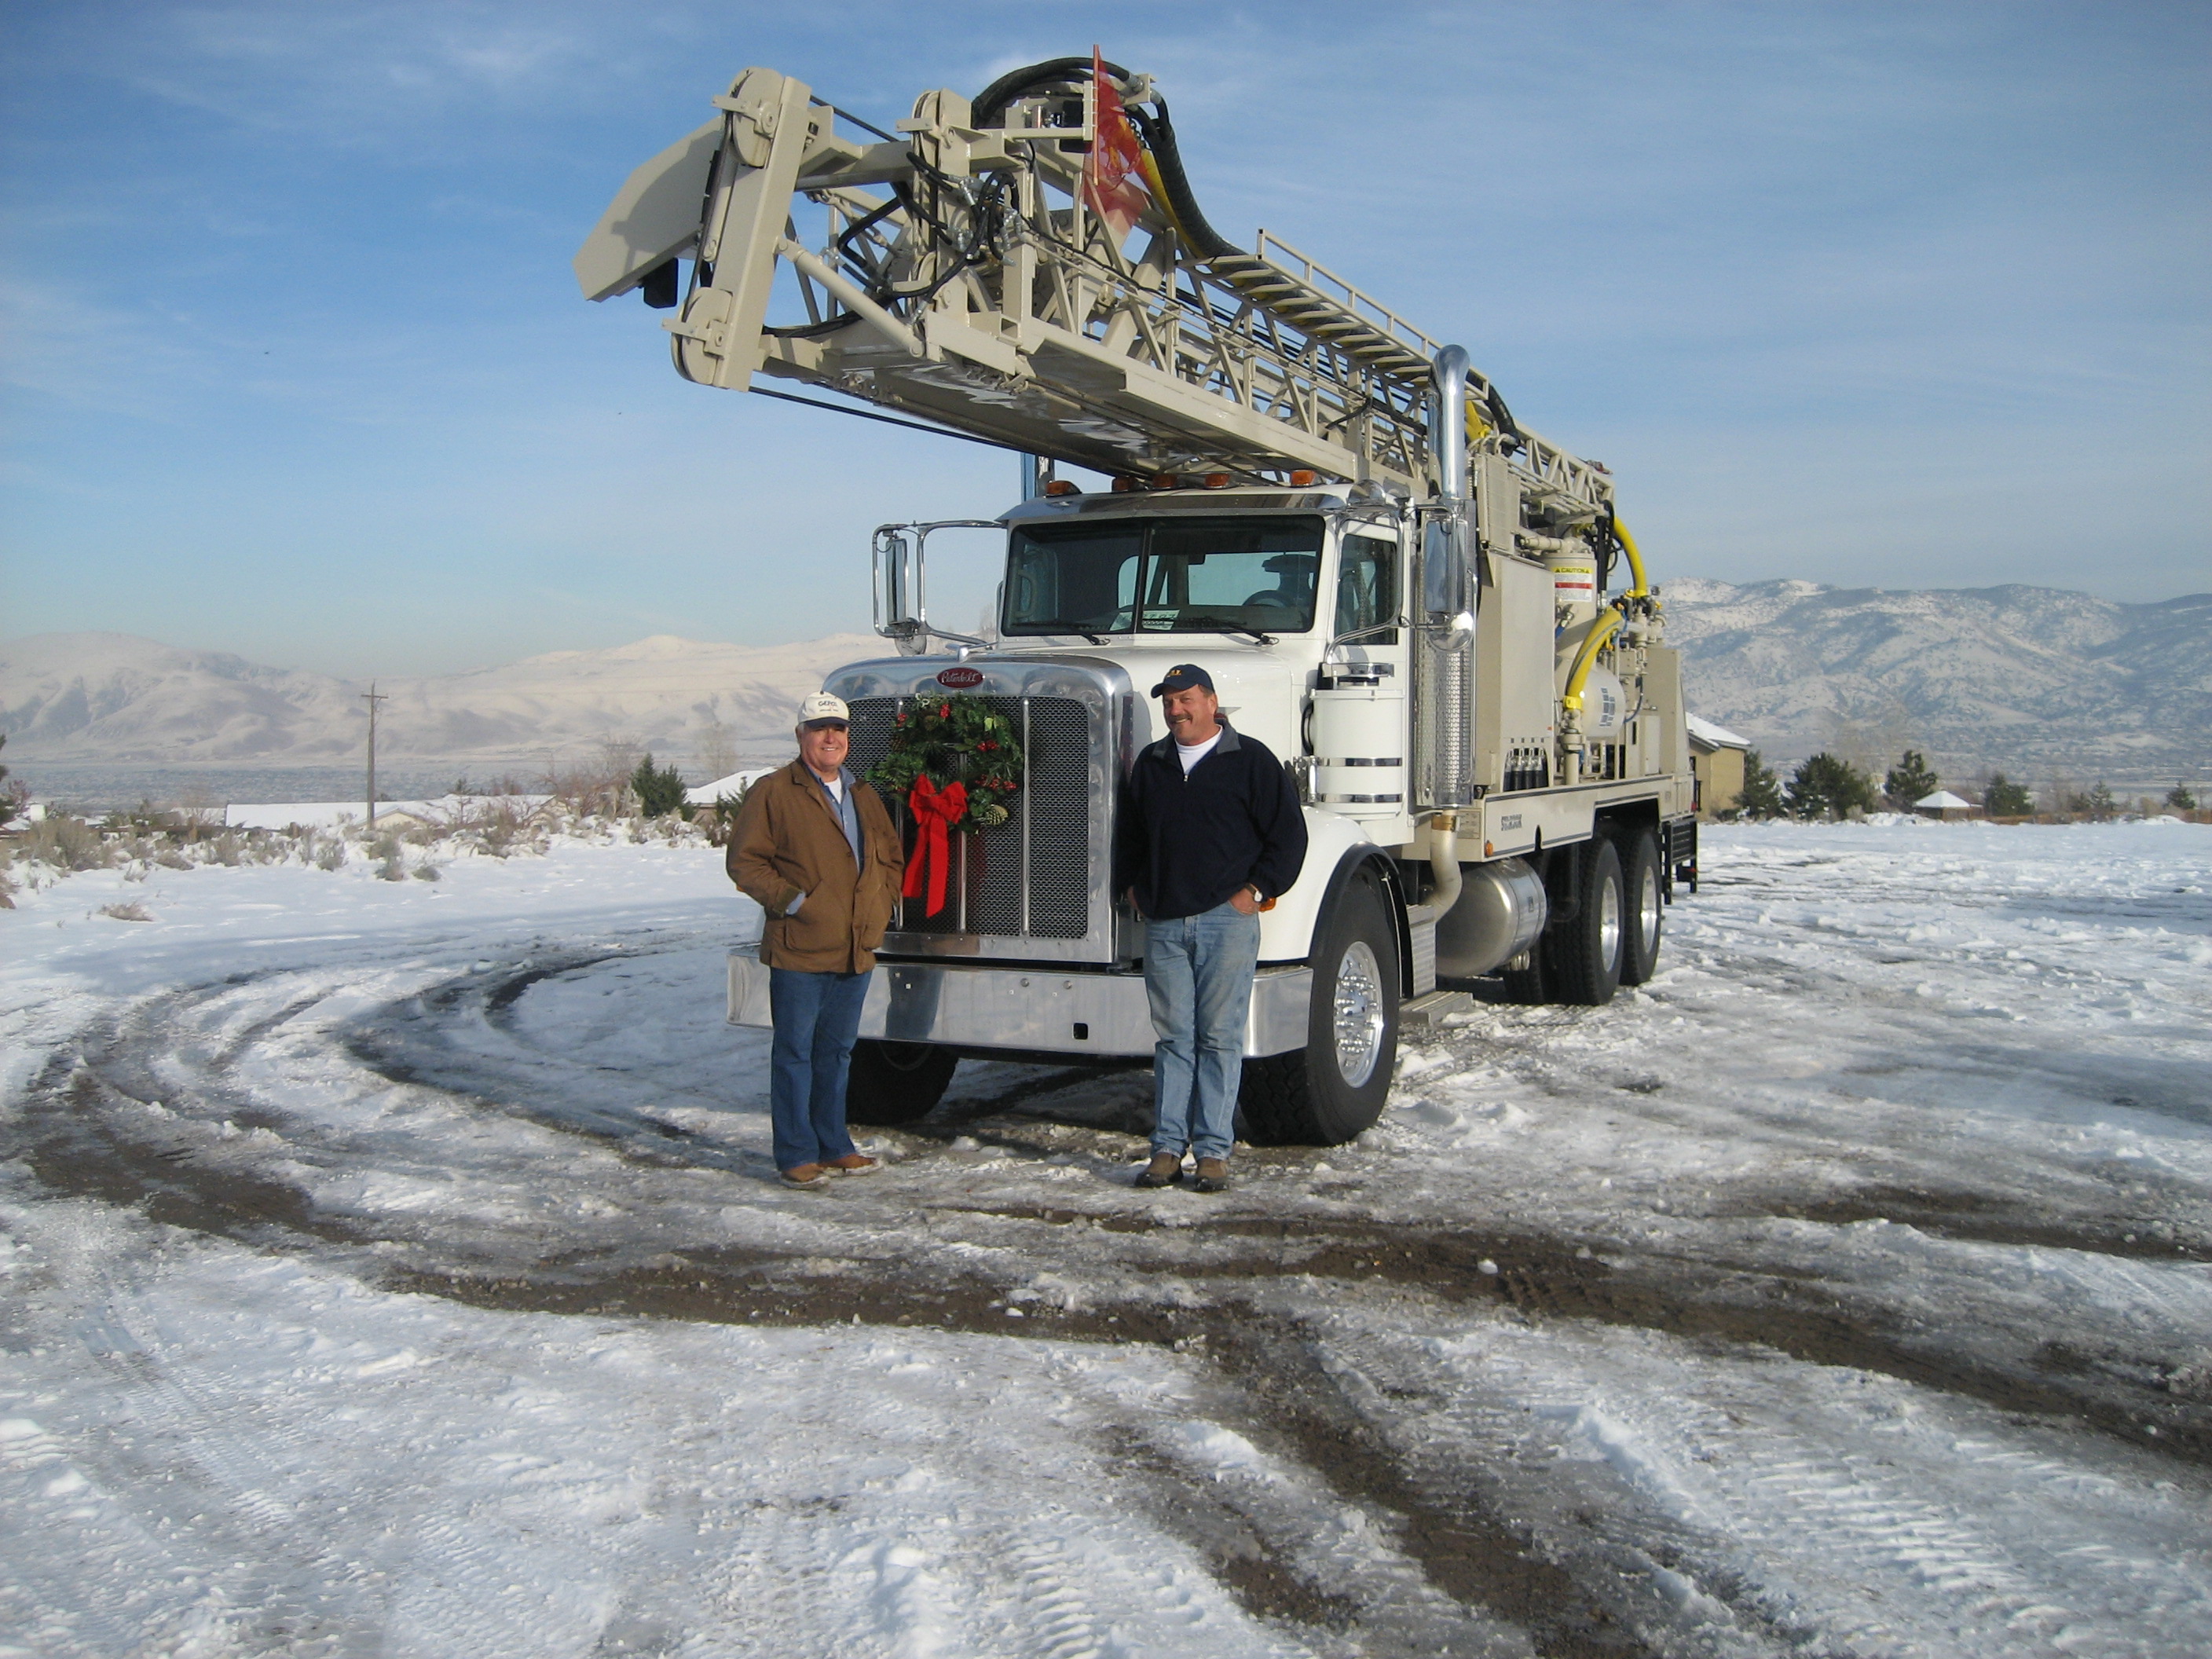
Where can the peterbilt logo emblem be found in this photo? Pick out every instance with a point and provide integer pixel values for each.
(960, 679)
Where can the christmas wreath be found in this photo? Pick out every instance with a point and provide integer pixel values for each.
(954, 762)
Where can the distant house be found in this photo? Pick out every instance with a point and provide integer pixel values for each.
(1945, 805)
(735, 784)
(1716, 759)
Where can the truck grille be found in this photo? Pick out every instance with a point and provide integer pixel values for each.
(1031, 875)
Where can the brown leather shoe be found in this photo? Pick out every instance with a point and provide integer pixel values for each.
(806, 1174)
(1213, 1174)
(1164, 1170)
(853, 1163)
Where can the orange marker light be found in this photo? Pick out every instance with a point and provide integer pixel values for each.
(1062, 487)
(1217, 480)
(1303, 479)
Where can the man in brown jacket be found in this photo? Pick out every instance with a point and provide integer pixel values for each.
(815, 847)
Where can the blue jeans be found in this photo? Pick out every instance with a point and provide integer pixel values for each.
(1198, 979)
(817, 1017)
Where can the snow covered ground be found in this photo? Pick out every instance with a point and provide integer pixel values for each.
(398, 1267)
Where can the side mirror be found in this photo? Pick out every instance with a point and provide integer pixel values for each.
(897, 578)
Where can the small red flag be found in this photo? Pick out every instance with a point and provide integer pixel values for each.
(1114, 173)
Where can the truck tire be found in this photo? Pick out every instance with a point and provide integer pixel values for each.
(1328, 1092)
(1645, 917)
(895, 1082)
(1584, 952)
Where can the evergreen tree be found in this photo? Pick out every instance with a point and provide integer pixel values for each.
(1761, 794)
(1825, 786)
(2005, 799)
(2098, 803)
(2177, 798)
(9, 803)
(1909, 781)
(659, 788)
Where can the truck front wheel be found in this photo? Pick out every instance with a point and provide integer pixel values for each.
(895, 1082)
(1326, 1093)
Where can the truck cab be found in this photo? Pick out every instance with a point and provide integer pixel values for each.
(1296, 602)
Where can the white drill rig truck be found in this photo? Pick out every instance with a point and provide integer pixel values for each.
(1434, 614)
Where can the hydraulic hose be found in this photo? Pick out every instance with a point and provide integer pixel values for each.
(990, 104)
(1635, 559)
(1162, 159)
(1601, 631)
(1163, 170)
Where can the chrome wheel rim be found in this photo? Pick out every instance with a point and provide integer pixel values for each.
(1648, 913)
(1608, 921)
(1359, 1018)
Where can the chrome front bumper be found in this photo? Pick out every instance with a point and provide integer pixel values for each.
(1030, 1010)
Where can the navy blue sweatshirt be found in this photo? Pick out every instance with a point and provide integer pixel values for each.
(1187, 842)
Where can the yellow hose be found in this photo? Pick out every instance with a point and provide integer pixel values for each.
(1158, 187)
(1587, 656)
(1635, 559)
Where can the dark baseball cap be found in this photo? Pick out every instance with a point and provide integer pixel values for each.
(1182, 677)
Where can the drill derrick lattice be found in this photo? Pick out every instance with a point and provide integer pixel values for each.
(981, 292)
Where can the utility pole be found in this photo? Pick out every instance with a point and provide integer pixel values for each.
(372, 698)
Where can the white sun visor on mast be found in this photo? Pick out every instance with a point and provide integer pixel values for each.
(653, 218)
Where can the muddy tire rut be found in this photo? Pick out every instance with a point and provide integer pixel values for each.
(147, 1112)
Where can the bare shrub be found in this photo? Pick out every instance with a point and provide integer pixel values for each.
(426, 872)
(717, 748)
(132, 912)
(331, 854)
(591, 791)
(67, 843)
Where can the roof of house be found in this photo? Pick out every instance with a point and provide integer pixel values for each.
(1942, 801)
(1705, 732)
(706, 794)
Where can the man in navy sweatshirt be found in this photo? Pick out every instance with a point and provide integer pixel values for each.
(1211, 831)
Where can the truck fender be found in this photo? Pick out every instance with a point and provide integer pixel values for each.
(1288, 930)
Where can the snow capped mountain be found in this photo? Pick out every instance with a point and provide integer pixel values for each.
(116, 698)
(2034, 681)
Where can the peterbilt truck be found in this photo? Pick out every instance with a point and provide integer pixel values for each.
(1434, 614)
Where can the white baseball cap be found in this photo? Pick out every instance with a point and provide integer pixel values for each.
(820, 706)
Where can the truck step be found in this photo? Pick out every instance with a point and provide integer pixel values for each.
(1424, 1016)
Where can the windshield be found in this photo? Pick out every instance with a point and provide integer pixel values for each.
(1164, 576)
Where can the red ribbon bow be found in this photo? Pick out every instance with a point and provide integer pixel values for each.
(935, 811)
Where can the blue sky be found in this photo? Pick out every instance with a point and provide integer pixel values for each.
(1901, 296)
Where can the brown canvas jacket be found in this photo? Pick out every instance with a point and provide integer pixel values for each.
(788, 841)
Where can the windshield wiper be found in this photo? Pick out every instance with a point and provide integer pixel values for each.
(1204, 619)
(1061, 625)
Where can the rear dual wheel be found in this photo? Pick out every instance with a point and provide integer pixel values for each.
(1612, 917)
(1646, 917)
(1583, 951)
